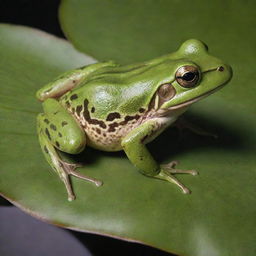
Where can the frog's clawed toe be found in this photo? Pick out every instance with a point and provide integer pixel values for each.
(70, 166)
(170, 167)
(70, 169)
(71, 197)
(167, 171)
(172, 164)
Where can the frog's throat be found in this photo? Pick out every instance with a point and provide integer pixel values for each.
(185, 104)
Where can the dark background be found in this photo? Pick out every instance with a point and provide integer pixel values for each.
(44, 15)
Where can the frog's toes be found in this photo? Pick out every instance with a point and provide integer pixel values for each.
(170, 167)
(185, 190)
(71, 197)
(71, 166)
(172, 164)
(70, 169)
(165, 174)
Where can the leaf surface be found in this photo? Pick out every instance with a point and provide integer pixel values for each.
(218, 218)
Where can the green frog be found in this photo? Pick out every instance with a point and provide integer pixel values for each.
(114, 107)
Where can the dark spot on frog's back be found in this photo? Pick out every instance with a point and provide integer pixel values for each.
(93, 109)
(73, 97)
(112, 116)
(86, 112)
(53, 127)
(64, 123)
(67, 104)
(48, 134)
(88, 118)
(79, 109)
(46, 121)
(57, 144)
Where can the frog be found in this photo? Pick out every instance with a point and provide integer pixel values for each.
(113, 107)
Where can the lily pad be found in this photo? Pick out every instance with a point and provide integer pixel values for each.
(218, 218)
(139, 30)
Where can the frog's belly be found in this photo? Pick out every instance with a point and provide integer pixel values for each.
(106, 140)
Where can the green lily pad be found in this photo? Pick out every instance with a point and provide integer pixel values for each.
(129, 31)
(218, 218)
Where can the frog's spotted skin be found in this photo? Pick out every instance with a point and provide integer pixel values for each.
(112, 107)
(106, 134)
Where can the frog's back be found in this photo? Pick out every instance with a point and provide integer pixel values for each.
(112, 102)
(122, 88)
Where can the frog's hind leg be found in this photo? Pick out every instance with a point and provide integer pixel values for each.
(58, 130)
(134, 147)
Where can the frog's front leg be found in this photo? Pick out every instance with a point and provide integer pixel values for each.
(58, 130)
(138, 154)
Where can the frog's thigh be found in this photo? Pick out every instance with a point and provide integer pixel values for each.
(60, 128)
(136, 151)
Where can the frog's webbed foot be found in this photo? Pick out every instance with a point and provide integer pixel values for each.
(69, 169)
(167, 171)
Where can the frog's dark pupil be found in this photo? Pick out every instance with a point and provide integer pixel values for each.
(189, 76)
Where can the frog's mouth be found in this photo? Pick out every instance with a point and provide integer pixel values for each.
(189, 102)
(185, 104)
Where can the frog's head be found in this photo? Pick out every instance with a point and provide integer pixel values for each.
(196, 74)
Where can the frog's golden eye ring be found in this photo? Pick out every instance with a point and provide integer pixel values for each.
(187, 76)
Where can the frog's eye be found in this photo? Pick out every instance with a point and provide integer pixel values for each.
(187, 76)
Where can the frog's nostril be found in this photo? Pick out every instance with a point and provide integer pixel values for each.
(220, 68)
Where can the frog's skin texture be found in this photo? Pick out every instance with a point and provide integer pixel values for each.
(112, 107)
